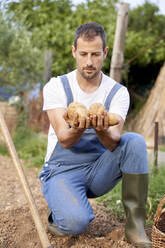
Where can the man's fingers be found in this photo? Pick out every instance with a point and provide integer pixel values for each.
(82, 123)
(88, 122)
(75, 122)
(94, 121)
(99, 122)
(106, 120)
(66, 118)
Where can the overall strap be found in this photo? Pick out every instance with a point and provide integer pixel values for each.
(67, 89)
(115, 88)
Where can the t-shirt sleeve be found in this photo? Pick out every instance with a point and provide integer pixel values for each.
(120, 102)
(54, 95)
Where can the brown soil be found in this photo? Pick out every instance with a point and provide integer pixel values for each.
(17, 228)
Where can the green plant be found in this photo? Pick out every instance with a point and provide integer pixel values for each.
(3, 150)
(30, 147)
(161, 148)
(156, 190)
(112, 201)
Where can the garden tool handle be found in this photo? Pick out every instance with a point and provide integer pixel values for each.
(26, 189)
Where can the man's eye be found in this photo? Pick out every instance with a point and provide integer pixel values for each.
(82, 54)
(96, 54)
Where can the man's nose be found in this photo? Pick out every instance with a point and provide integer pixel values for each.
(89, 60)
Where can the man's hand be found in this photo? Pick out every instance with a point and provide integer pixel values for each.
(108, 135)
(81, 124)
(100, 122)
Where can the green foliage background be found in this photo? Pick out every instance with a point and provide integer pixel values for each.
(29, 27)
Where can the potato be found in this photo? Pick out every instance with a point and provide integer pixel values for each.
(76, 107)
(112, 119)
(98, 108)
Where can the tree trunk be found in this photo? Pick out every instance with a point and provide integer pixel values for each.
(118, 47)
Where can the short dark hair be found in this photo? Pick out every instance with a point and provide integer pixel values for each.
(90, 30)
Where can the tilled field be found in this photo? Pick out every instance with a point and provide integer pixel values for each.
(17, 229)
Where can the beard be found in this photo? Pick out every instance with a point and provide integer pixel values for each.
(91, 74)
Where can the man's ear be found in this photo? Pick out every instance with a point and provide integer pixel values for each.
(106, 52)
(73, 51)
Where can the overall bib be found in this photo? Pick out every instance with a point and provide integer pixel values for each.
(87, 170)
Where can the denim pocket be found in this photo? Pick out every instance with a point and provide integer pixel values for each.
(47, 172)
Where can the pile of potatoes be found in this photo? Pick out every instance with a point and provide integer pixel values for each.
(94, 109)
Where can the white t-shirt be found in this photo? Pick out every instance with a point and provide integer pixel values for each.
(54, 97)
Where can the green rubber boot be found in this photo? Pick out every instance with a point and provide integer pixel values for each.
(52, 227)
(134, 196)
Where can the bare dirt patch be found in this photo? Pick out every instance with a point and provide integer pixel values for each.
(17, 229)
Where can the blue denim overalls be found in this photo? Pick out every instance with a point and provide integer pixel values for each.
(88, 149)
(87, 170)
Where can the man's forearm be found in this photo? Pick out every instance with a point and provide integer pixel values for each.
(108, 139)
(70, 137)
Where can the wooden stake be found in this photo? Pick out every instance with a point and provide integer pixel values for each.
(47, 66)
(156, 144)
(26, 189)
(118, 47)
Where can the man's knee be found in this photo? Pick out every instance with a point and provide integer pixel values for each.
(78, 225)
(74, 224)
(134, 142)
(134, 153)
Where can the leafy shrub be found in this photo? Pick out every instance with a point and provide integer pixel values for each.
(29, 146)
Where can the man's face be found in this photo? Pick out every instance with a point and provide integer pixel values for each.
(89, 56)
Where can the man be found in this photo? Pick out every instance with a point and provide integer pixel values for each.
(87, 158)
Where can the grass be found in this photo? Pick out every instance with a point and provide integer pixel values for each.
(30, 147)
(112, 200)
(156, 190)
(161, 148)
(3, 150)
